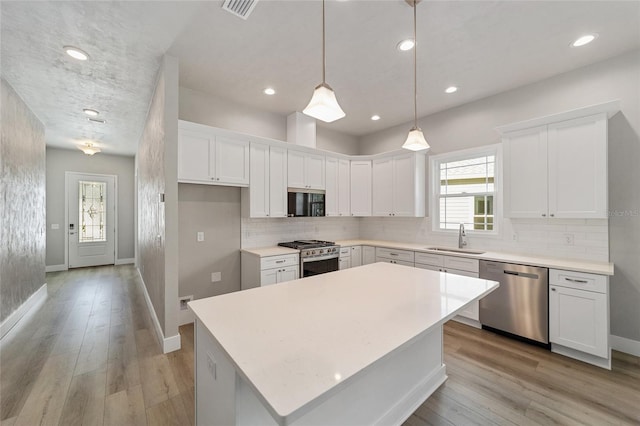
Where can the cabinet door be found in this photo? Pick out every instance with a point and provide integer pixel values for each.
(288, 273)
(368, 255)
(232, 161)
(259, 181)
(295, 169)
(344, 263)
(314, 171)
(277, 182)
(344, 190)
(356, 256)
(578, 320)
(382, 181)
(525, 173)
(578, 168)
(332, 191)
(404, 185)
(268, 277)
(194, 153)
(361, 188)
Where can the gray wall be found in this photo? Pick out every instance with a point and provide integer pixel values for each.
(60, 161)
(214, 210)
(203, 108)
(473, 125)
(157, 221)
(22, 204)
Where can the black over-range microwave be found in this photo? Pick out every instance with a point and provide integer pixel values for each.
(305, 202)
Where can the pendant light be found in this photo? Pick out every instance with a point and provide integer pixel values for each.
(89, 149)
(415, 140)
(323, 104)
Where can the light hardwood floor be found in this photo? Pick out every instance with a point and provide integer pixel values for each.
(89, 356)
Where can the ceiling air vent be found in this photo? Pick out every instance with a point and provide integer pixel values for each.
(241, 8)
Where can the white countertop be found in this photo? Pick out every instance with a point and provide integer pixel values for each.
(270, 251)
(299, 340)
(588, 266)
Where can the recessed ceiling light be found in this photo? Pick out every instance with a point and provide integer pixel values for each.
(585, 39)
(96, 120)
(375, 117)
(451, 89)
(269, 91)
(405, 45)
(76, 53)
(91, 112)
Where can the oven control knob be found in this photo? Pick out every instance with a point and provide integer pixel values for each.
(313, 252)
(320, 251)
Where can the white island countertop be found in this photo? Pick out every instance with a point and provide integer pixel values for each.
(299, 342)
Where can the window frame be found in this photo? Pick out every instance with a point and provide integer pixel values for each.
(434, 187)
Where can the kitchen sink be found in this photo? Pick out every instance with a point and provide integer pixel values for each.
(453, 250)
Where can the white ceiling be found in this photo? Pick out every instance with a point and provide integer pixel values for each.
(484, 47)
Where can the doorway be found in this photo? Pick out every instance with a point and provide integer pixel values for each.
(91, 219)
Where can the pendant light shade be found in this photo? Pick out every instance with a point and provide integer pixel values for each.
(323, 104)
(415, 140)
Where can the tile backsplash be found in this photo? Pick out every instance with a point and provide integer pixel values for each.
(266, 232)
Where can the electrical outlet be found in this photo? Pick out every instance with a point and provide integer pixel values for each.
(200, 236)
(514, 236)
(569, 239)
(216, 276)
(211, 365)
(55, 226)
(183, 302)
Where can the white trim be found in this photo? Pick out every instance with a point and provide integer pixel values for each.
(127, 261)
(169, 344)
(35, 300)
(56, 268)
(622, 344)
(610, 108)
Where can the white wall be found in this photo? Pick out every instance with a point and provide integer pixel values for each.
(60, 161)
(473, 125)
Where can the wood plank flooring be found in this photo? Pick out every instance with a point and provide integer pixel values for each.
(89, 356)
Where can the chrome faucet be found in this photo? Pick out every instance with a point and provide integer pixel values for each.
(462, 237)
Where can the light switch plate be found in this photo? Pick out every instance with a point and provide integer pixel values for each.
(216, 276)
(55, 226)
(200, 237)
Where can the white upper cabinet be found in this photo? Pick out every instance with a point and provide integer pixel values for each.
(344, 187)
(557, 170)
(361, 188)
(204, 157)
(268, 183)
(305, 170)
(338, 187)
(399, 185)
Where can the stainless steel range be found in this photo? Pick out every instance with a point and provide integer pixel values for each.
(316, 257)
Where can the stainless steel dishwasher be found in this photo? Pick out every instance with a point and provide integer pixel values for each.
(520, 306)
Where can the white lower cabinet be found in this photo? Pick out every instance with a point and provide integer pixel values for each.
(454, 265)
(356, 256)
(350, 256)
(368, 255)
(400, 257)
(579, 316)
(260, 271)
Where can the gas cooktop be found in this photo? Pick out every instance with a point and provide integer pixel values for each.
(307, 244)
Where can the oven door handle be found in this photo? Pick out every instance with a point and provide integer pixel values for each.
(313, 259)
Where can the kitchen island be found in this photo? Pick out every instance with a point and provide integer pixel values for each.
(358, 346)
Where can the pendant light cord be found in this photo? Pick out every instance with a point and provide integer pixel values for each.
(415, 66)
(324, 56)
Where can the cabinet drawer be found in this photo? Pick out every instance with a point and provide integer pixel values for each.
(404, 255)
(430, 259)
(395, 262)
(279, 261)
(461, 263)
(345, 251)
(578, 280)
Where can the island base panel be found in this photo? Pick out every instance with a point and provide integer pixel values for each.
(386, 392)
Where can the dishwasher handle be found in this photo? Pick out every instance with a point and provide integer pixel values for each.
(521, 274)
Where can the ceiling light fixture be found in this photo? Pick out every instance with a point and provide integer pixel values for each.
(323, 104)
(96, 120)
(585, 39)
(76, 53)
(269, 91)
(91, 112)
(405, 45)
(89, 149)
(415, 140)
(451, 89)
(375, 117)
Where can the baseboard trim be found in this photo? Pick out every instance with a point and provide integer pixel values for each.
(32, 302)
(127, 261)
(622, 344)
(169, 344)
(56, 268)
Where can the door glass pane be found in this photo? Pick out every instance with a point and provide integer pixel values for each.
(92, 211)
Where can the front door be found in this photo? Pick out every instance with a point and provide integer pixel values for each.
(91, 219)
